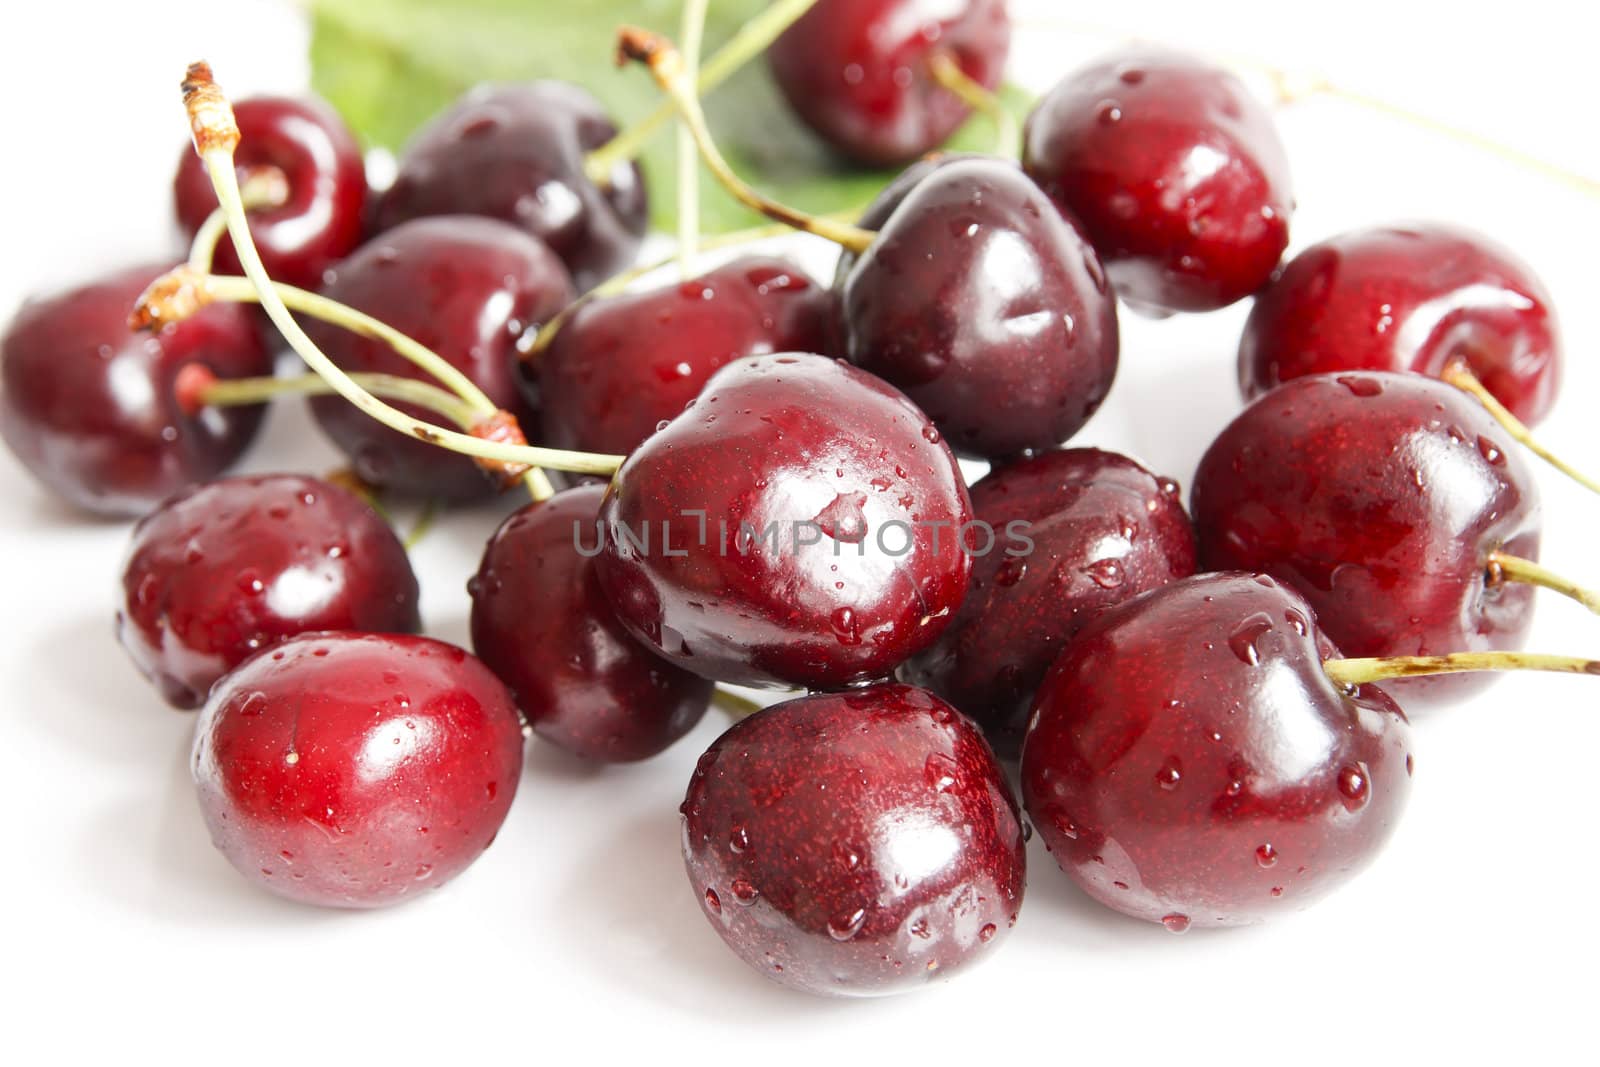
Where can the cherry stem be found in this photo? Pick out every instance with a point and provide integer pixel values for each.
(751, 40)
(1349, 673)
(667, 67)
(263, 187)
(423, 526)
(1504, 568)
(216, 134)
(1458, 374)
(948, 73)
(197, 387)
(738, 707)
(693, 30)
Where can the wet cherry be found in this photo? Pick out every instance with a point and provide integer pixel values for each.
(1380, 498)
(1092, 529)
(796, 525)
(857, 843)
(1192, 764)
(223, 570)
(857, 71)
(516, 153)
(87, 404)
(984, 303)
(322, 218)
(542, 624)
(1411, 297)
(473, 290)
(356, 770)
(1175, 171)
(622, 365)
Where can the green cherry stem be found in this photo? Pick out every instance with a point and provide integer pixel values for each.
(666, 66)
(1458, 374)
(1008, 134)
(751, 40)
(1504, 568)
(694, 25)
(264, 187)
(197, 387)
(1350, 673)
(216, 135)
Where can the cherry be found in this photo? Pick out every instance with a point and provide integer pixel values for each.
(622, 365)
(474, 290)
(1191, 763)
(1175, 171)
(858, 72)
(87, 404)
(1408, 298)
(857, 843)
(516, 153)
(322, 218)
(541, 622)
(355, 770)
(1102, 529)
(798, 524)
(222, 570)
(1384, 499)
(983, 302)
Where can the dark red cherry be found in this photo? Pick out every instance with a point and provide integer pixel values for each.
(356, 770)
(1408, 298)
(87, 404)
(857, 843)
(319, 158)
(541, 622)
(1087, 530)
(472, 289)
(984, 303)
(622, 365)
(1190, 762)
(857, 71)
(516, 153)
(1379, 498)
(1175, 171)
(223, 570)
(797, 525)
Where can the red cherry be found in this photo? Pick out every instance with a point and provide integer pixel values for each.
(1380, 498)
(1408, 298)
(541, 622)
(857, 71)
(322, 219)
(356, 770)
(473, 290)
(798, 524)
(1102, 530)
(223, 570)
(1192, 764)
(1175, 171)
(984, 303)
(856, 843)
(87, 404)
(516, 153)
(621, 366)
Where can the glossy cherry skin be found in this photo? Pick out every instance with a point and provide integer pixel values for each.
(356, 770)
(87, 405)
(1191, 763)
(1378, 497)
(828, 551)
(1094, 529)
(473, 290)
(857, 843)
(622, 365)
(516, 153)
(321, 221)
(984, 303)
(1175, 172)
(222, 570)
(1408, 298)
(857, 71)
(542, 624)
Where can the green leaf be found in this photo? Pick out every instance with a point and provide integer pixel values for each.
(390, 65)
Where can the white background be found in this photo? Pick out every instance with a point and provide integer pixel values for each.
(577, 937)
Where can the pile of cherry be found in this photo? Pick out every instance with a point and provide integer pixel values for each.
(1194, 747)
